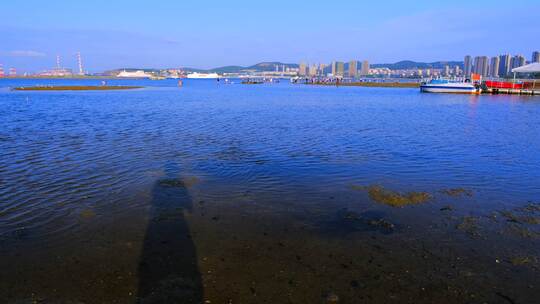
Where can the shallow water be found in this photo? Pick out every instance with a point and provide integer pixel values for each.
(264, 204)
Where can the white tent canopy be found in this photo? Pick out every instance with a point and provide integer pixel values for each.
(529, 68)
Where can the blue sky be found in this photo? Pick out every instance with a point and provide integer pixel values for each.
(166, 33)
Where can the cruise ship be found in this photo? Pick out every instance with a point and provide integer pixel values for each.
(202, 75)
(447, 86)
(133, 74)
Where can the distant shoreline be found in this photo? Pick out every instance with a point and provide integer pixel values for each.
(370, 84)
(59, 77)
(75, 88)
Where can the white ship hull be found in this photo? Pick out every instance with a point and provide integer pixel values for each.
(202, 76)
(459, 88)
(134, 74)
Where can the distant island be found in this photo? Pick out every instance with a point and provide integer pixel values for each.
(75, 88)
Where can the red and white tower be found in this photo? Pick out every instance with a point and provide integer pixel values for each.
(79, 61)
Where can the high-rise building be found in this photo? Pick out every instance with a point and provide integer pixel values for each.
(467, 66)
(338, 68)
(481, 65)
(517, 61)
(535, 56)
(313, 71)
(457, 70)
(1, 71)
(322, 68)
(353, 69)
(494, 67)
(365, 68)
(446, 70)
(504, 65)
(302, 71)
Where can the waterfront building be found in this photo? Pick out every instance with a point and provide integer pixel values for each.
(365, 68)
(446, 70)
(467, 66)
(338, 68)
(517, 61)
(1, 71)
(457, 70)
(494, 67)
(62, 72)
(504, 65)
(322, 68)
(302, 70)
(12, 72)
(313, 71)
(353, 69)
(535, 57)
(481, 65)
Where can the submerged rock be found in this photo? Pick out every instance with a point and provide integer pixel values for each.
(184, 182)
(457, 192)
(382, 223)
(332, 298)
(447, 208)
(469, 224)
(173, 290)
(518, 261)
(531, 208)
(87, 214)
(350, 221)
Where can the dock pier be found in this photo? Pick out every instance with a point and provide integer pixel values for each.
(496, 91)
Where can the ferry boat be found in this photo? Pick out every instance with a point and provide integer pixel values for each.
(133, 74)
(447, 86)
(203, 75)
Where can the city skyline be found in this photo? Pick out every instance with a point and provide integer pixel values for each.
(498, 65)
(172, 34)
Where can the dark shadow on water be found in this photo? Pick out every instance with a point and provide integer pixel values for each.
(168, 271)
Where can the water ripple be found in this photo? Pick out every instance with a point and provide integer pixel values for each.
(63, 153)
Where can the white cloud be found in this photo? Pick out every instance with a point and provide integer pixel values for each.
(25, 53)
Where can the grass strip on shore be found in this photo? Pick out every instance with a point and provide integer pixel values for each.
(74, 88)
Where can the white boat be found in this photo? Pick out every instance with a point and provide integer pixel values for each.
(447, 86)
(157, 77)
(203, 75)
(133, 74)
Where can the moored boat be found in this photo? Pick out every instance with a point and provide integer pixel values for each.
(446, 86)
